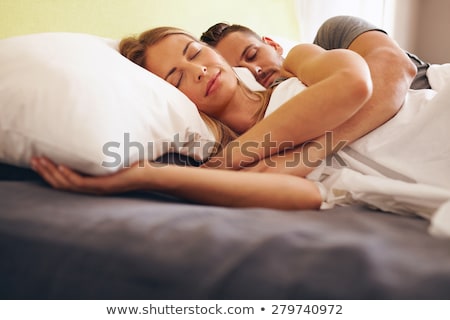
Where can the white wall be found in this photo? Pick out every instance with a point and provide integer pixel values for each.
(432, 41)
(312, 13)
(404, 17)
(419, 26)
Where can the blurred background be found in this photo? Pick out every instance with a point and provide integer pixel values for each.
(419, 26)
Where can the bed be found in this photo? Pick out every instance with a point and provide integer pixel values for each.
(59, 245)
(140, 245)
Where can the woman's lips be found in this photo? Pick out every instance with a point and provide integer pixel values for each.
(212, 84)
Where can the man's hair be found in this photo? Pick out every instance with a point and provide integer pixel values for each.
(217, 32)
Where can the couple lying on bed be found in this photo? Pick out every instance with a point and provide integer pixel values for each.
(346, 92)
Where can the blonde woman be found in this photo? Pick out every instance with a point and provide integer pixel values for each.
(338, 83)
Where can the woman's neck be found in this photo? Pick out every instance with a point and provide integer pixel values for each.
(241, 113)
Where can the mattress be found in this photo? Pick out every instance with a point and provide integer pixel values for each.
(60, 245)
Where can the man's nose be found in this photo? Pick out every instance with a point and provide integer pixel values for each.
(255, 69)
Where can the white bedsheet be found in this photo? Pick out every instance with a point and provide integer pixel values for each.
(404, 165)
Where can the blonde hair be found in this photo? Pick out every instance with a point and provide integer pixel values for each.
(134, 48)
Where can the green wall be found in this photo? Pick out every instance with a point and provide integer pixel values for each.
(119, 18)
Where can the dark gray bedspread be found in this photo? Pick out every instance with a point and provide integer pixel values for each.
(57, 245)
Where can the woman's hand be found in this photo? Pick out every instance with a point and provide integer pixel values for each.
(62, 178)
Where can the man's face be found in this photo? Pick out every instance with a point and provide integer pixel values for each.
(262, 57)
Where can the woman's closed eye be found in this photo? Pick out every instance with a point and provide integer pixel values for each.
(195, 54)
(175, 78)
(179, 75)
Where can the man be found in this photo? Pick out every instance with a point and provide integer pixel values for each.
(393, 72)
(243, 47)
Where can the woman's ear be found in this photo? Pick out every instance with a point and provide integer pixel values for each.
(274, 44)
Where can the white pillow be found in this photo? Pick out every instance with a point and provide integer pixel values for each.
(75, 99)
(246, 76)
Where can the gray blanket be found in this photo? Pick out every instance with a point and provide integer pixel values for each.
(58, 245)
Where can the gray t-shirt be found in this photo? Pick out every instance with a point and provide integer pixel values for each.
(339, 32)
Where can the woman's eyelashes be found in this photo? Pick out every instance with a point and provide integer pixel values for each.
(195, 54)
(177, 85)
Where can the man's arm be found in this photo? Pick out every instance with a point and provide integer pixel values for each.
(339, 32)
(391, 69)
(392, 73)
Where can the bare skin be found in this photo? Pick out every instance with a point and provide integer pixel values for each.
(213, 187)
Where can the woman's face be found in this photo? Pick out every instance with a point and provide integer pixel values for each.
(194, 68)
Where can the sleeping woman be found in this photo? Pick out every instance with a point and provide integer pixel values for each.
(329, 88)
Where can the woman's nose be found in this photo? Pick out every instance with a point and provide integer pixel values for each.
(198, 71)
(203, 71)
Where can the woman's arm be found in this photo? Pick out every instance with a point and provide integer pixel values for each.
(214, 187)
(338, 84)
(301, 160)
